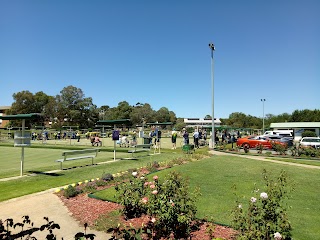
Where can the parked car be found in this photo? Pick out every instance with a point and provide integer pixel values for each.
(310, 142)
(254, 141)
(278, 138)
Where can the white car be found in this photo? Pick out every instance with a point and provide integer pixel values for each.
(310, 142)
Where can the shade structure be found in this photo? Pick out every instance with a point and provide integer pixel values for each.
(126, 122)
(22, 117)
(115, 123)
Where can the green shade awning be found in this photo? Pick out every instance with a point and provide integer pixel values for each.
(21, 116)
(114, 122)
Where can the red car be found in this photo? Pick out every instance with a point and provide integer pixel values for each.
(254, 141)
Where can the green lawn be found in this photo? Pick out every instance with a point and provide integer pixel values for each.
(216, 177)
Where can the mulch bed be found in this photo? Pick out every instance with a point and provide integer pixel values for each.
(87, 210)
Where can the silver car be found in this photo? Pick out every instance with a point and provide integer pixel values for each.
(310, 142)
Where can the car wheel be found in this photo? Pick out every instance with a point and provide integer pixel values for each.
(246, 145)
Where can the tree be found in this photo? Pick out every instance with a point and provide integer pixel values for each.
(164, 115)
(23, 103)
(305, 115)
(238, 120)
(180, 124)
(74, 108)
(142, 112)
(27, 102)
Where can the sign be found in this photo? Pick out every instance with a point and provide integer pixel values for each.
(22, 141)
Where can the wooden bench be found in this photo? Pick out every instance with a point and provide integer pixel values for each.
(78, 154)
(140, 148)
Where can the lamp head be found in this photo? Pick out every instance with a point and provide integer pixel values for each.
(211, 46)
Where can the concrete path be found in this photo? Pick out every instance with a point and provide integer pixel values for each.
(45, 204)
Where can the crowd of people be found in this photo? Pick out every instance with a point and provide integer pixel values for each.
(198, 135)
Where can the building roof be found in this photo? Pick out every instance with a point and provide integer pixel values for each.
(295, 125)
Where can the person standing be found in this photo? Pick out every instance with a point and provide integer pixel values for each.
(185, 136)
(174, 136)
(78, 136)
(196, 138)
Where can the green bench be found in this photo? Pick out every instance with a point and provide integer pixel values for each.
(140, 148)
(188, 148)
(78, 154)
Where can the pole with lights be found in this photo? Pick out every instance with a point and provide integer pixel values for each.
(263, 100)
(212, 48)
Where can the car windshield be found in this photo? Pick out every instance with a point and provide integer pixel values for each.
(311, 140)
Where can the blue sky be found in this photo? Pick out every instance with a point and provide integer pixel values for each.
(157, 52)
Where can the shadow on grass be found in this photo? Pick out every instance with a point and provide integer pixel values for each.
(53, 174)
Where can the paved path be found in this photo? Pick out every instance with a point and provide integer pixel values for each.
(45, 204)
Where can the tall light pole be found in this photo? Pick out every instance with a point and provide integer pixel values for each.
(262, 100)
(212, 48)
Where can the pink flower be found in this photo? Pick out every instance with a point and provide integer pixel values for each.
(144, 200)
(154, 192)
(146, 183)
(155, 177)
(152, 186)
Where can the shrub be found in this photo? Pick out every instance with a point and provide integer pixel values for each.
(279, 148)
(107, 177)
(129, 195)
(266, 216)
(308, 134)
(152, 167)
(71, 191)
(259, 148)
(89, 187)
(169, 203)
(27, 228)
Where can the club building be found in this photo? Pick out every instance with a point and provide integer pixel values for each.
(201, 122)
(297, 127)
(3, 109)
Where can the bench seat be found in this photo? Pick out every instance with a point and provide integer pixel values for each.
(78, 154)
(75, 158)
(140, 148)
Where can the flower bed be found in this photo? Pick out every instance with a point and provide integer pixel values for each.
(89, 210)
